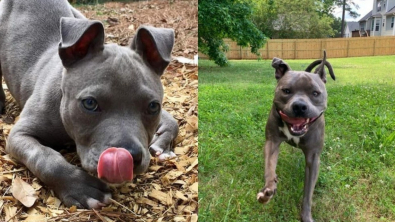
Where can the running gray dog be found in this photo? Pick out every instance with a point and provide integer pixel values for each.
(297, 117)
(74, 89)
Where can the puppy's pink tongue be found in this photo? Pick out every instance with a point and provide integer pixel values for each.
(115, 165)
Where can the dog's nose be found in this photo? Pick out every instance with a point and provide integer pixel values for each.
(134, 147)
(299, 108)
(137, 155)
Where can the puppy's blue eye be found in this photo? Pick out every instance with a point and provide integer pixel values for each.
(286, 91)
(90, 104)
(153, 108)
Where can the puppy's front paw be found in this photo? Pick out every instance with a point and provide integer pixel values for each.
(162, 154)
(265, 195)
(166, 156)
(83, 191)
(306, 217)
(308, 220)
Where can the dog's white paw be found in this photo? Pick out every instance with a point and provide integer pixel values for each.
(166, 156)
(96, 204)
(308, 219)
(265, 195)
(162, 155)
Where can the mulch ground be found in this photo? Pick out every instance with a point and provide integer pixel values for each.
(169, 190)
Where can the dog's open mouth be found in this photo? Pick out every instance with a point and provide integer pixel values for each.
(297, 126)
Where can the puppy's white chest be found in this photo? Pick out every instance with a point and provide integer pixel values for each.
(286, 132)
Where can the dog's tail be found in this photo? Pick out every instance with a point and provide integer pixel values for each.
(321, 69)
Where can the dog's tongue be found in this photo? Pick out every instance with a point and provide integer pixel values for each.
(293, 121)
(115, 165)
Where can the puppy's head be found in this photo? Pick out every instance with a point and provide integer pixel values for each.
(112, 96)
(300, 96)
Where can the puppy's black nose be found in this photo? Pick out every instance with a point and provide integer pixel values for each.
(137, 155)
(300, 108)
(135, 149)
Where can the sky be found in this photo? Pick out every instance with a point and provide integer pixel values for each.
(364, 7)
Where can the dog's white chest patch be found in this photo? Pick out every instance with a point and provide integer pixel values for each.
(286, 132)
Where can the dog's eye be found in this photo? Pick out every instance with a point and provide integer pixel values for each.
(90, 104)
(286, 91)
(315, 93)
(153, 108)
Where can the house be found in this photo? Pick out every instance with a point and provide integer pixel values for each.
(349, 28)
(379, 21)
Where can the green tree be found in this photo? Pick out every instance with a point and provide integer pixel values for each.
(294, 19)
(337, 26)
(265, 14)
(346, 5)
(328, 8)
(219, 19)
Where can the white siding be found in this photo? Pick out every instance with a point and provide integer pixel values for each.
(362, 26)
(388, 21)
(391, 4)
(347, 32)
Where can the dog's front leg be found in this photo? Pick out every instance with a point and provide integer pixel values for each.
(72, 185)
(271, 156)
(311, 175)
(162, 143)
(2, 95)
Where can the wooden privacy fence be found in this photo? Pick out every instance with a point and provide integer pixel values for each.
(312, 48)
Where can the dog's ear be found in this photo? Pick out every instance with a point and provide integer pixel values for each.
(154, 45)
(78, 37)
(320, 70)
(281, 67)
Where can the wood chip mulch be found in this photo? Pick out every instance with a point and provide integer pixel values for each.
(169, 190)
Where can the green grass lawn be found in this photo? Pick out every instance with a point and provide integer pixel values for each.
(357, 174)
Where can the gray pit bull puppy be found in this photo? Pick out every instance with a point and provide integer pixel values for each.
(74, 89)
(297, 117)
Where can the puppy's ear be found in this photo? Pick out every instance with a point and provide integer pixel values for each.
(78, 38)
(154, 45)
(281, 67)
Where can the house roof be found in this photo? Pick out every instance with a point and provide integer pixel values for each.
(352, 26)
(366, 17)
(378, 15)
(392, 10)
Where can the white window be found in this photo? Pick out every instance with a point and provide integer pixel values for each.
(378, 6)
(377, 25)
(372, 24)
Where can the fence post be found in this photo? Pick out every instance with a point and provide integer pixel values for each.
(267, 49)
(374, 47)
(321, 47)
(295, 49)
(348, 47)
(240, 53)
